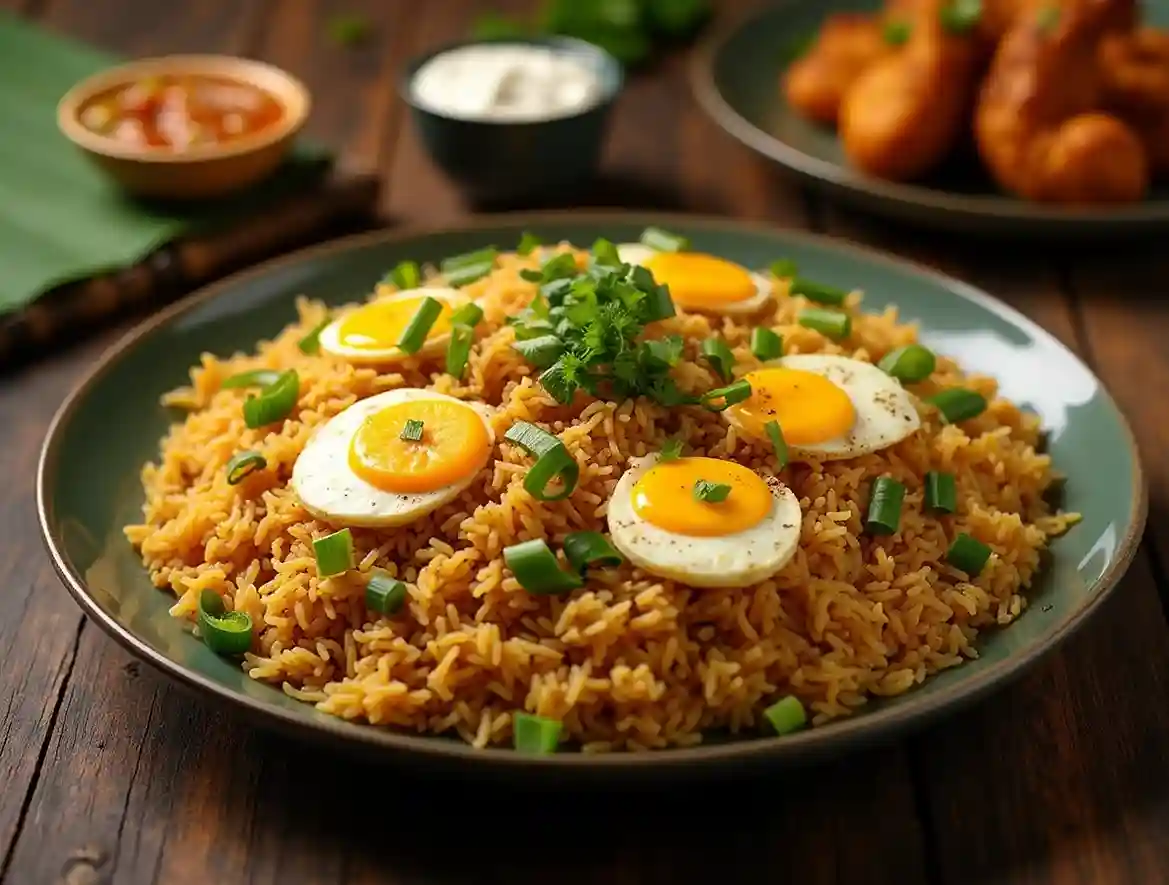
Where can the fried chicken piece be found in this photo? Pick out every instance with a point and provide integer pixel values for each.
(1037, 122)
(906, 112)
(1134, 66)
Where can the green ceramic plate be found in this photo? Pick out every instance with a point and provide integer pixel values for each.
(736, 76)
(88, 481)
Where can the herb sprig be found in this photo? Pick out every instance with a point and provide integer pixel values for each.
(592, 321)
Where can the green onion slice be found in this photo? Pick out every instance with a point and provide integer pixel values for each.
(552, 461)
(470, 314)
(224, 632)
(462, 270)
(535, 734)
(778, 443)
(589, 548)
(941, 492)
(255, 378)
(537, 570)
(605, 253)
(786, 715)
(765, 344)
(243, 464)
(784, 269)
(414, 335)
(818, 292)
(671, 450)
(961, 16)
(540, 352)
(710, 492)
(722, 398)
(405, 275)
(896, 32)
(885, 500)
(334, 553)
(663, 240)
(829, 323)
(384, 594)
(411, 431)
(274, 402)
(311, 343)
(968, 554)
(958, 404)
(909, 364)
(718, 354)
(528, 243)
(458, 349)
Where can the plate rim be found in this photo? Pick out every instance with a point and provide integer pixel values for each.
(832, 739)
(905, 197)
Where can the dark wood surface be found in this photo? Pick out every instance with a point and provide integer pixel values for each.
(110, 775)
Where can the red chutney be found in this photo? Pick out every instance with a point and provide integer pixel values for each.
(176, 111)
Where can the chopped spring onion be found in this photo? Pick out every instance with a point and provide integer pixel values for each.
(710, 492)
(961, 16)
(784, 269)
(605, 253)
(275, 401)
(818, 292)
(243, 464)
(405, 275)
(716, 352)
(958, 404)
(537, 570)
(765, 344)
(540, 352)
(897, 32)
(255, 378)
(885, 499)
(224, 632)
(470, 314)
(786, 715)
(461, 270)
(334, 553)
(384, 594)
(671, 450)
(534, 734)
(583, 549)
(968, 554)
(311, 343)
(941, 492)
(733, 393)
(663, 240)
(778, 443)
(829, 323)
(909, 364)
(552, 461)
(411, 431)
(528, 243)
(414, 335)
(463, 323)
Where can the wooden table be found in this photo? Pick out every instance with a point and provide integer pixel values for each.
(108, 774)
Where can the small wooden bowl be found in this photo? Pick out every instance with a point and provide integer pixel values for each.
(202, 171)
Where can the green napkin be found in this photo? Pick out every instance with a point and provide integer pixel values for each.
(61, 218)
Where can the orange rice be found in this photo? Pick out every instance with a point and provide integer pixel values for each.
(630, 661)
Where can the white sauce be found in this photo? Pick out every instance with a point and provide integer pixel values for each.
(506, 82)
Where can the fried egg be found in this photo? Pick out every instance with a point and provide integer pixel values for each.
(828, 407)
(369, 334)
(357, 469)
(657, 522)
(701, 282)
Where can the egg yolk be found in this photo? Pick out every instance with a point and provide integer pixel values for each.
(379, 325)
(808, 407)
(664, 496)
(454, 445)
(697, 280)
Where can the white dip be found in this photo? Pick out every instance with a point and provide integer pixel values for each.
(506, 82)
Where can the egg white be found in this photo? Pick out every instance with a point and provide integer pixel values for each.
(330, 490)
(636, 253)
(330, 337)
(735, 560)
(885, 411)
